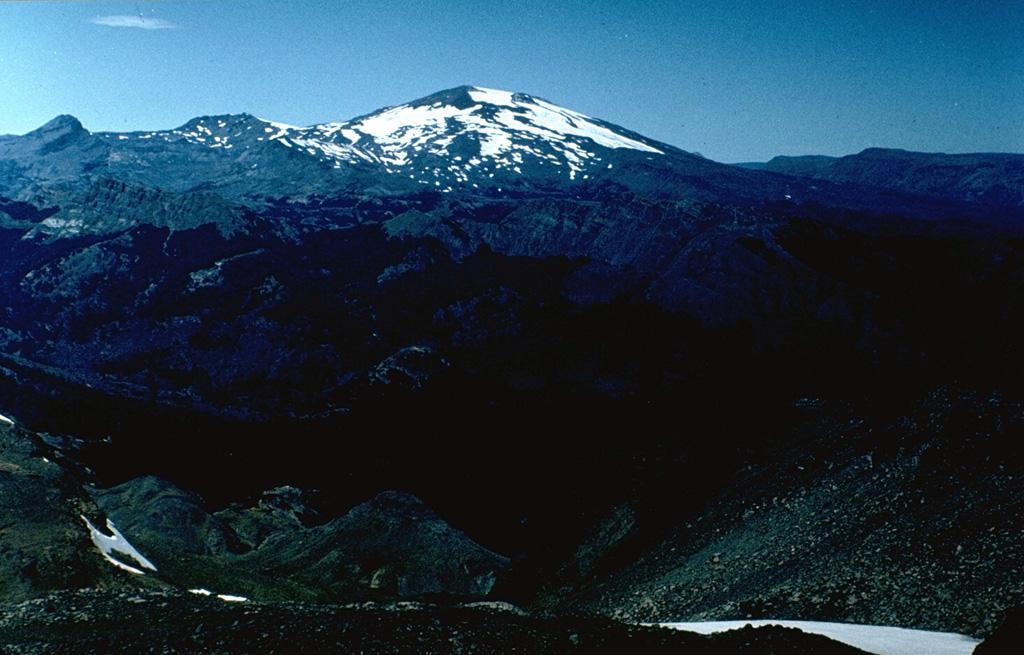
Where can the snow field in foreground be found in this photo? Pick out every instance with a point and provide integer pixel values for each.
(883, 640)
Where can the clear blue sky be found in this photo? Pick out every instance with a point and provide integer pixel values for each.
(739, 80)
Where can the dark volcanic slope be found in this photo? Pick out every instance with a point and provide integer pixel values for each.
(907, 515)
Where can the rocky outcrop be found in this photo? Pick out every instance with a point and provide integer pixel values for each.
(45, 543)
(156, 512)
(391, 546)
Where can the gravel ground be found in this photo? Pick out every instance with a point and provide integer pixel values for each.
(911, 521)
(111, 622)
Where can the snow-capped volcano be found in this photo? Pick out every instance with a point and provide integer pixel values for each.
(495, 118)
(474, 130)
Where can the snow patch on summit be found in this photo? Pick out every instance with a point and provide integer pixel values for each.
(506, 127)
(563, 121)
(492, 96)
(435, 125)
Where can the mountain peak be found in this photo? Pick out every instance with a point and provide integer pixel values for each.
(466, 97)
(490, 131)
(460, 97)
(63, 124)
(221, 120)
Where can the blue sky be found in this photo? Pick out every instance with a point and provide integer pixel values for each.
(737, 80)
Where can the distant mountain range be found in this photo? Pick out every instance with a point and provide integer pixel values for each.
(986, 178)
(568, 340)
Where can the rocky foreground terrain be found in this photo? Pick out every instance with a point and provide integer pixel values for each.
(916, 527)
(91, 621)
(907, 517)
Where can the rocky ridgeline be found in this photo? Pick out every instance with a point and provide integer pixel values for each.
(391, 546)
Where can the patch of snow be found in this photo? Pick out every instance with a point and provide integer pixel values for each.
(883, 640)
(282, 126)
(405, 125)
(551, 121)
(225, 597)
(327, 129)
(334, 151)
(207, 277)
(71, 226)
(493, 96)
(108, 544)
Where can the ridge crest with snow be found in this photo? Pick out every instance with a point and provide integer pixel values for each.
(467, 135)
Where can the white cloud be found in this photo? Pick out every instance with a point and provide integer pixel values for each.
(133, 21)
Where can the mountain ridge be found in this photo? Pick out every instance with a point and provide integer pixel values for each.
(234, 154)
(493, 143)
(983, 178)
